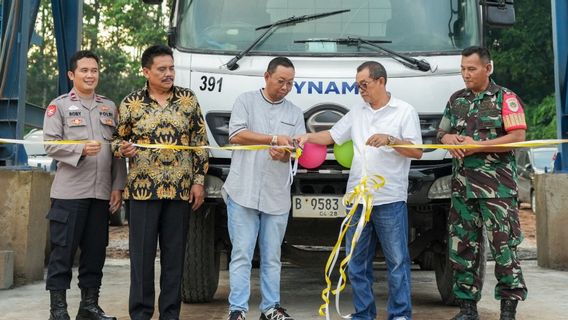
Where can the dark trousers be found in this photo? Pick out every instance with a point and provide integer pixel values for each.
(76, 223)
(166, 221)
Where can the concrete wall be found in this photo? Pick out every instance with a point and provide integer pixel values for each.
(552, 220)
(24, 202)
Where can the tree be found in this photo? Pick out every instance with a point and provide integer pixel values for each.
(542, 120)
(523, 54)
(42, 60)
(117, 30)
(524, 62)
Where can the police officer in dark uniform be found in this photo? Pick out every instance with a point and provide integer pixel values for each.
(86, 189)
(484, 186)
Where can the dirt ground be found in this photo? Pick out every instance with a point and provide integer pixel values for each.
(118, 236)
(118, 242)
(528, 224)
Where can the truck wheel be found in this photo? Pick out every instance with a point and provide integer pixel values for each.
(201, 267)
(426, 260)
(444, 273)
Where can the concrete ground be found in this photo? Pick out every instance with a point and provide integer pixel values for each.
(301, 288)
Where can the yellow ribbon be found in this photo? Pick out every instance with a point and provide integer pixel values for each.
(524, 144)
(362, 193)
(297, 153)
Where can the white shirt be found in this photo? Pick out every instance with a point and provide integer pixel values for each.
(396, 118)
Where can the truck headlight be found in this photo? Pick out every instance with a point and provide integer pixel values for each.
(429, 127)
(441, 188)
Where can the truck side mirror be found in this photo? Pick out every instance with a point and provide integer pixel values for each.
(498, 13)
(171, 37)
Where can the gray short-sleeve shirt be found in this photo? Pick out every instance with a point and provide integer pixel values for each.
(255, 180)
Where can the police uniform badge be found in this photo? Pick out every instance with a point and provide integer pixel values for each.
(51, 110)
(76, 122)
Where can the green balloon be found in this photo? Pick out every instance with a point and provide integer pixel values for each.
(344, 153)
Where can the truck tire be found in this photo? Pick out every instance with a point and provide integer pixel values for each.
(426, 260)
(201, 266)
(444, 273)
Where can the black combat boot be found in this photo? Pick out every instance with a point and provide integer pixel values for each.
(468, 310)
(89, 307)
(508, 309)
(58, 305)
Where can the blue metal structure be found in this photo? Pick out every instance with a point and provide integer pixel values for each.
(68, 21)
(16, 28)
(560, 37)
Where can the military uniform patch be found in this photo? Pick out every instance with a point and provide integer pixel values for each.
(513, 114)
(512, 104)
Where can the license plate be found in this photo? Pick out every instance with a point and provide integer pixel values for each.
(317, 207)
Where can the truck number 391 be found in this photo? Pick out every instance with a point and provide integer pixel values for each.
(211, 83)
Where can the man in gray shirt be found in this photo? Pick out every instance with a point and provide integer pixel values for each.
(257, 189)
(87, 187)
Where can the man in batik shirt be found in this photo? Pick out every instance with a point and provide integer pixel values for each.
(163, 185)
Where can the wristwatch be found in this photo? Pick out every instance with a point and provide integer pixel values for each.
(274, 140)
(391, 140)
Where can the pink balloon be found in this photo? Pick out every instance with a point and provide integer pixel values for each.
(312, 156)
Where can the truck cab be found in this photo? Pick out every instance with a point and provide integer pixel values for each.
(222, 48)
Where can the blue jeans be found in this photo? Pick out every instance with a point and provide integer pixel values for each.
(388, 225)
(245, 225)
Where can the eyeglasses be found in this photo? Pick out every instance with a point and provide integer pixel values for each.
(288, 84)
(363, 84)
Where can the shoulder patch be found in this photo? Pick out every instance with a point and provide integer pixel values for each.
(511, 102)
(512, 112)
(51, 110)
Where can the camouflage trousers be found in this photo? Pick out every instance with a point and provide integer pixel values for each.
(500, 217)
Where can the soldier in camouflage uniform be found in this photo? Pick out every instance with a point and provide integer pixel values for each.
(484, 187)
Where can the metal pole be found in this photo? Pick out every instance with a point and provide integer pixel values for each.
(68, 21)
(560, 37)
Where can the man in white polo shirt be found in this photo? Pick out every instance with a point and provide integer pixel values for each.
(374, 125)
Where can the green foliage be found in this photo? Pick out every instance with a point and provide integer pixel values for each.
(523, 55)
(42, 60)
(542, 120)
(524, 62)
(117, 30)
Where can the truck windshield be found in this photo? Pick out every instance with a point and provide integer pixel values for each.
(228, 26)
